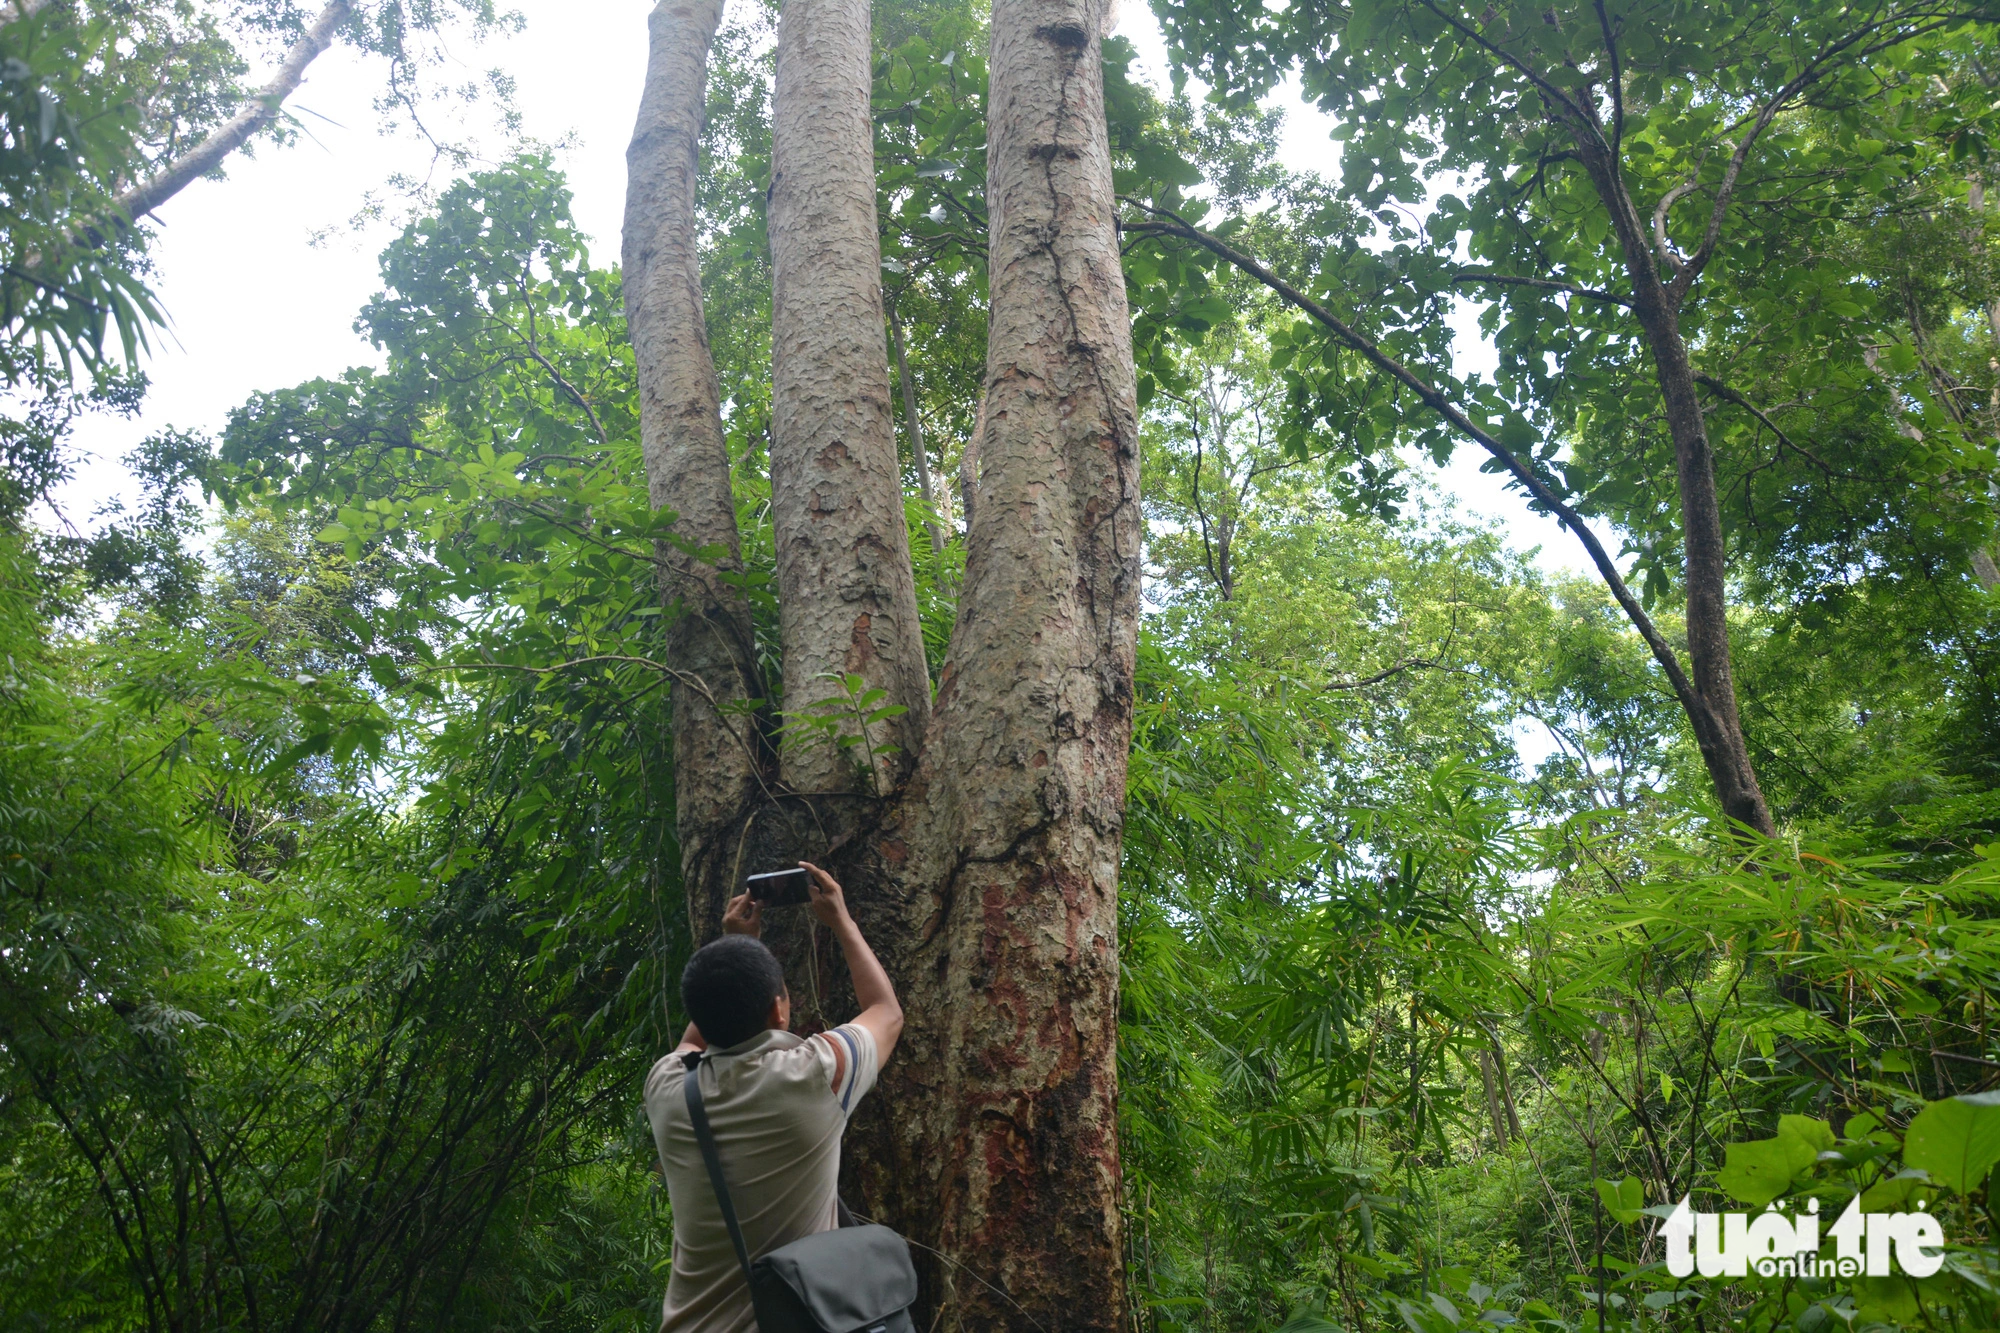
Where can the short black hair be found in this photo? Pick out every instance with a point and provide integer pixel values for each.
(728, 987)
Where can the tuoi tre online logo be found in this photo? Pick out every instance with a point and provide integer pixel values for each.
(1773, 1245)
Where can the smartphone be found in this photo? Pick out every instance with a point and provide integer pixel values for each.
(781, 888)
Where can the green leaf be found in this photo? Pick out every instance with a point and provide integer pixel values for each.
(1516, 434)
(1763, 1169)
(334, 534)
(1815, 1133)
(1305, 1321)
(1956, 1140)
(1899, 1193)
(1624, 1200)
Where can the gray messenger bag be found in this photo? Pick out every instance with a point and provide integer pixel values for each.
(857, 1279)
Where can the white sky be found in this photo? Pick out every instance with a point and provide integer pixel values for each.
(254, 305)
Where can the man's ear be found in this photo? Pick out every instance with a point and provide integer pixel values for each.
(780, 1016)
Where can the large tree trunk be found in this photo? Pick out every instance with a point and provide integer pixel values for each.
(1706, 566)
(719, 759)
(988, 878)
(847, 599)
(1025, 765)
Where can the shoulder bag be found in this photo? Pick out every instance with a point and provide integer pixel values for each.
(857, 1279)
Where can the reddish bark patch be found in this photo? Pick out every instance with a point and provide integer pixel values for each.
(860, 644)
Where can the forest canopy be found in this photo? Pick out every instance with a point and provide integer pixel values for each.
(1468, 916)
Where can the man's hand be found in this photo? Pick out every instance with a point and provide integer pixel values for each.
(829, 904)
(745, 916)
(880, 1013)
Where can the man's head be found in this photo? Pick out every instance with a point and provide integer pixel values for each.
(733, 990)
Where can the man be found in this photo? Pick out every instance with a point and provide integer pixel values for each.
(777, 1105)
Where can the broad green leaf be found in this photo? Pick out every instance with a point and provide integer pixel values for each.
(1956, 1140)
(1763, 1169)
(1816, 1133)
(1625, 1200)
(1899, 1193)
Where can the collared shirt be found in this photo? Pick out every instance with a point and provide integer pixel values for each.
(777, 1105)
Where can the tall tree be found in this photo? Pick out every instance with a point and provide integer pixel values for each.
(847, 596)
(721, 753)
(1632, 169)
(989, 873)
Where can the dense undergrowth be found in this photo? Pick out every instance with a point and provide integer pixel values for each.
(338, 894)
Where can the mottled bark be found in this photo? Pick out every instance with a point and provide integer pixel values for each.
(987, 878)
(717, 748)
(847, 599)
(1024, 771)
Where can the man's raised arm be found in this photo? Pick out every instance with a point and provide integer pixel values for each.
(880, 1013)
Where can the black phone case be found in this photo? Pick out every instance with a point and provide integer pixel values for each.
(780, 888)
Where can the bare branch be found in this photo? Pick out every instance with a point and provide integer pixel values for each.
(1547, 284)
(1660, 241)
(207, 155)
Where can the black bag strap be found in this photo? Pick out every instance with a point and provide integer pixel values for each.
(703, 1135)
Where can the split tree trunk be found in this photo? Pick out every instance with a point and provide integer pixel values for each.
(987, 879)
(720, 761)
(1025, 764)
(847, 597)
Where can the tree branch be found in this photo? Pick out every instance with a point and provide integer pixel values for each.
(1667, 201)
(1721, 390)
(1663, 652)
(1431, 663)
(1687, 273)
(574, 395)
(911, 420)
(232, 134)
(1547, 89)
(1207, 552)
(1547, 284)
(1617, 81)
